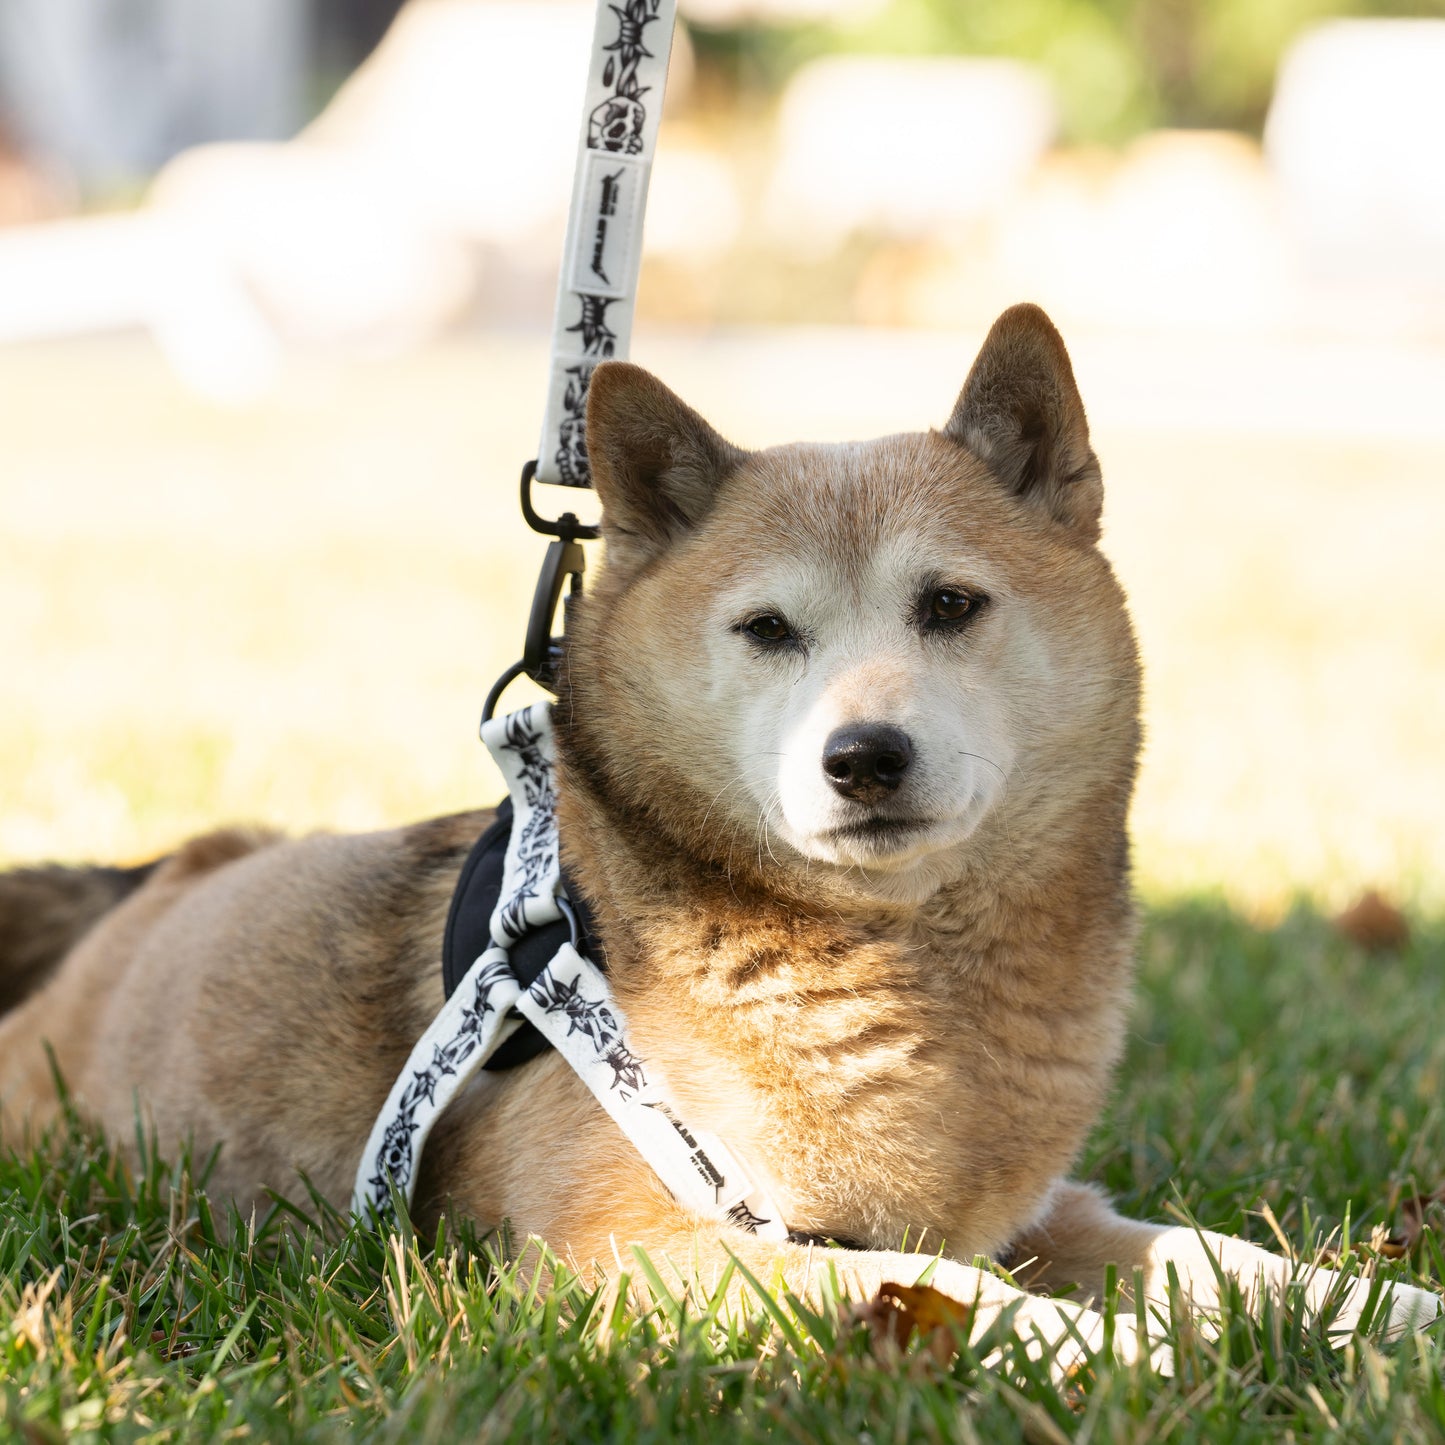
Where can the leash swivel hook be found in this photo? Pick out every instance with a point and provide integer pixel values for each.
(564, 563)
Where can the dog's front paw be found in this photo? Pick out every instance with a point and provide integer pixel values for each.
(1067, 1336)
(1400, 1309)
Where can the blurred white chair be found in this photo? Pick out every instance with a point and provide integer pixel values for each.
(1182, 230)
(904, 148)
(106, 90)
(1356, 137)
(367, 230)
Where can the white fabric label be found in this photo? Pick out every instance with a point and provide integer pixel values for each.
(609, 234)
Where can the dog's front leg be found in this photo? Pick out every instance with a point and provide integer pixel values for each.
(1064, 1333)
(1080, 1235)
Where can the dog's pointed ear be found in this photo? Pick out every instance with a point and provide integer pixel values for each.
(1020, 412)
(656, 464)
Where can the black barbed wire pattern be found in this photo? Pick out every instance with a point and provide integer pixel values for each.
(598, 338)
(572, 464)
(591, 1018)
(396, 1158)
(629, 1075)
(617, 123)
(537, 861)
(744, 1218)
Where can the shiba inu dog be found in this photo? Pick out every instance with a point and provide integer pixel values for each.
(847, 739)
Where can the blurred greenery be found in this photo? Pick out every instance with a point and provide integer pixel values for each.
(1120, 66)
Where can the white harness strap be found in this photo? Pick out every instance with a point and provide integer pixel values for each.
(598, 283)
(569, 1003)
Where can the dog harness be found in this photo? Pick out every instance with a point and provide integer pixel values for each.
(469, 933)
(533, 967)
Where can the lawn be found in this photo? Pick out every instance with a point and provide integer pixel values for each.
(291, 613)
(128, 1312)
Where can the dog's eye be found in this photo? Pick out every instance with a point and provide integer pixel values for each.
(948, 605)
(768, 628)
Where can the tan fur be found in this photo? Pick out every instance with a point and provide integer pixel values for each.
(900, 1037)
(45, 911)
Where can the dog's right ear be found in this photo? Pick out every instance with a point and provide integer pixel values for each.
(656, 464)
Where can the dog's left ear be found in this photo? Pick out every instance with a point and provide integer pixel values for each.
(655, 462)
(1020, 412)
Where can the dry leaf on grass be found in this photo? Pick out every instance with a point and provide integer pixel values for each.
(1413, 1220)
(1412, 1223)
(1374, 923)
(899, 1311)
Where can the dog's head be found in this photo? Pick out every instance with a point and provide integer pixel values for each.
(853, 658)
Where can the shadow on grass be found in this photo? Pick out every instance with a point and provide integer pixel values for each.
(1283, 1065)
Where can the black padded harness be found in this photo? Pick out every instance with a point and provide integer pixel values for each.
(469, 933)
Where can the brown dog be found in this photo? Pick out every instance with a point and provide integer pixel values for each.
(848, 737)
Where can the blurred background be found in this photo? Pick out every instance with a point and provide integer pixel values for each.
(276, 280)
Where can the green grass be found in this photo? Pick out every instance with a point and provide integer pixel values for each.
(1280, 1068)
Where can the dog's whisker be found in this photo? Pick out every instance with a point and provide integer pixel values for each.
(979, 757)
(726, 787)
(774, 801)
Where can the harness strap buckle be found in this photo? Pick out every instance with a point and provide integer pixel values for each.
(565, 562)
(542, 653)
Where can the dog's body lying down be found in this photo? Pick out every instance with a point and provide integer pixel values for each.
(848, 738)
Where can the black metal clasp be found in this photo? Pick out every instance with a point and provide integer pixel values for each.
(564, 564)
(566, 526)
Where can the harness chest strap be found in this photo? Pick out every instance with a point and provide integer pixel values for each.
(570, 1005)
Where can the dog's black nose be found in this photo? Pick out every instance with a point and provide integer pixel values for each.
(867, 761)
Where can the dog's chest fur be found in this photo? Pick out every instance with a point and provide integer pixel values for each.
(889, 1070)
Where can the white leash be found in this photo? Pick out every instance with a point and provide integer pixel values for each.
(597, 287)
(570, 1004)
